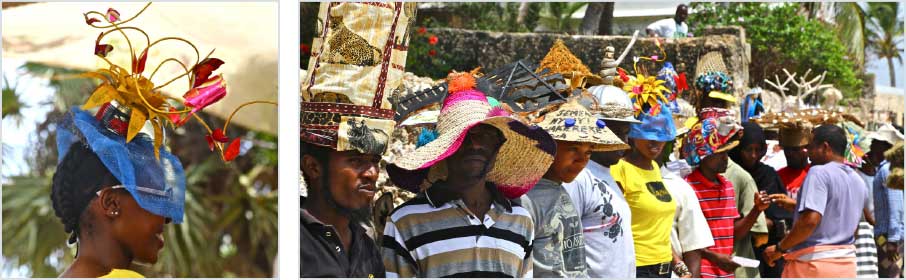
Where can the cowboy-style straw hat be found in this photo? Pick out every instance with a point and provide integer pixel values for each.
(521, 161)
(887, 133)
(573, 122)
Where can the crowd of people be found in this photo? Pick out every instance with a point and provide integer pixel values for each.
(613, 180)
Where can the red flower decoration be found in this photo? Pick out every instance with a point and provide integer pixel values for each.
(432, 52)
(623, 75)
(232, 151)
(92, 20)
(432, 40)
(422, 30)
(174, 117)
(113, 15)
(681, 83)
(210, 142)
(138, 65)
(203, 70)
(306, 50)
(101, 49)
(219, 136)
(205, 94)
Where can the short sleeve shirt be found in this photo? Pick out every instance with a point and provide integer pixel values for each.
(690, 229)
(835, 191)
(652, 209)
(606, 222)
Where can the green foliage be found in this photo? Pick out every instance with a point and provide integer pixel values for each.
(424, 58)
(781, 38)
(500, 17)
(885, 33)
(557, 16)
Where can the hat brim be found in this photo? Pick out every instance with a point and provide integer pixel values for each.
(512, 173)
(722, 96)
(628, 119)
(727, 147)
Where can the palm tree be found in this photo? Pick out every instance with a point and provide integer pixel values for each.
(12, 106)
(849, 21)
(598, 19)
(885, 33)
(557, 16)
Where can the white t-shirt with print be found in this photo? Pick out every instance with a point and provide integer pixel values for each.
(606, 222)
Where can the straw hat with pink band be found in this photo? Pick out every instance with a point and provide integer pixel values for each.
(521, 161)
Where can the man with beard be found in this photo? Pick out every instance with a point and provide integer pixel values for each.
(464, 222)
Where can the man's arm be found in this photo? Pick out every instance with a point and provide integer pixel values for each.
(802, 229)
(693, 260)
(741, 227)
(868, 216)
(723, 261)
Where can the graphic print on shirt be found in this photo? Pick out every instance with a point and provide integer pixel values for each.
(659, 191)
(610, 220)
(571, 228)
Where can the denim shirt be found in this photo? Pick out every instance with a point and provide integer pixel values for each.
(888, 206)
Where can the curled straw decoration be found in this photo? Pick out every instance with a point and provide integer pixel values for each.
(130, 89)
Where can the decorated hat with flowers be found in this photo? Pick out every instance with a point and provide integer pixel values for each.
(127, 101)
(358, 61)
(715, 133)
(650, 108)
(712, 78)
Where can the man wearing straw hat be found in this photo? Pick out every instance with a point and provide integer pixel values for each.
(464, 222)
(559, 245)
(345, 129)
(888, 205)
(827, 212)
(794, 137)
(605, 214)
(706, 146)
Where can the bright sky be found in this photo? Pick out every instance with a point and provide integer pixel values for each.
(15, 136)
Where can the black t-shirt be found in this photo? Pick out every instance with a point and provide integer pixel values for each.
(323, 255)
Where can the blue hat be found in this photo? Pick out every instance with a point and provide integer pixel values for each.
(157, 185)
(657, 127)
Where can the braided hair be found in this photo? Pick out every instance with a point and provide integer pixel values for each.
(78, 178)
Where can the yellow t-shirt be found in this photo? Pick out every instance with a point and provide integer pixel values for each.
(122, 273)
(652, 209)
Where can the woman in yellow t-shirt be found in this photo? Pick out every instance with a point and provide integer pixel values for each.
(639, 177)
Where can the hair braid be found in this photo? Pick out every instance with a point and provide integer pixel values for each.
(78, 177)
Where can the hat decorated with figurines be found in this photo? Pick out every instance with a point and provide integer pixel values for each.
(649, 103)
(358, 59)
(129, 101)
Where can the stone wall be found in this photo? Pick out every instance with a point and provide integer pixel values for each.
(493, 49)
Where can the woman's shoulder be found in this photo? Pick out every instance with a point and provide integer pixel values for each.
(122, 273)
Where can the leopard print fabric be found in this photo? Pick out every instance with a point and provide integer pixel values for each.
(346, 47)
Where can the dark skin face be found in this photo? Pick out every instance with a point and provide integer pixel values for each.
(352, 177)
(877, 149)
(643, 152)
(713, 165)
(114, 232)
(476, 156)
(819, 153)
(751, 154)
(571, 158)
(682, 12)
(621, 129)
(796, 157)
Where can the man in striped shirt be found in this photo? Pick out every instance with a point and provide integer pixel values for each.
(461, 226)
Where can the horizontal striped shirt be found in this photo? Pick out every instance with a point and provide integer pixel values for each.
(430, 236)
(718, 203)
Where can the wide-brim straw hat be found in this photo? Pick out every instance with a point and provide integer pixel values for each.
(613, 103)
(521, 161)
(573, 122)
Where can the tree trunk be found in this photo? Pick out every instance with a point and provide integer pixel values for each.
(893, 76)
(592, 18)
(605, 27)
